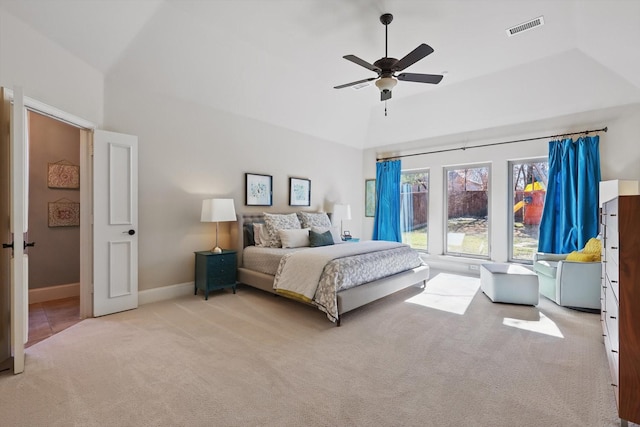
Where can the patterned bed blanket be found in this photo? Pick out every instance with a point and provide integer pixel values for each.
(316, 275)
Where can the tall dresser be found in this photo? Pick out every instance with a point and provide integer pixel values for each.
(620, 314)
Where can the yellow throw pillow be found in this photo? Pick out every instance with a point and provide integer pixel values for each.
(593, 246)
(583, 257)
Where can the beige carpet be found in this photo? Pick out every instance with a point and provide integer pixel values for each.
(252, 359)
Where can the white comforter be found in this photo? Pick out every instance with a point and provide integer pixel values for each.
(299, 273)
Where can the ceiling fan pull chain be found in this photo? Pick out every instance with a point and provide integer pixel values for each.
(385, 108)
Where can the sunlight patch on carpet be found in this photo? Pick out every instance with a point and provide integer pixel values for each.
(543, 326)
(448, 292)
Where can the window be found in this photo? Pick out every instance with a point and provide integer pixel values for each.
(414, 208)
(467, 210)
(528, 179)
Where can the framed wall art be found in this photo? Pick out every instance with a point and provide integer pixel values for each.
(63, 174)
(258, 190)
(370, 197)
(299, 192)
(64, 213)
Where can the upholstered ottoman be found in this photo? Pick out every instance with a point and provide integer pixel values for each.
(510, 283)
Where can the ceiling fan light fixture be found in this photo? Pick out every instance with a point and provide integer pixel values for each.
(386, 83)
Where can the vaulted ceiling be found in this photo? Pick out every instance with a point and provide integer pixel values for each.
(277, 60)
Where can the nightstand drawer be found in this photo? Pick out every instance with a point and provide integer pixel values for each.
(221, 277)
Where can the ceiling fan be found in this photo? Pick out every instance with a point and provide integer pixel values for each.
(387, 67)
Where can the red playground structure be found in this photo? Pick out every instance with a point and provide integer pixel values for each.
(529, 201)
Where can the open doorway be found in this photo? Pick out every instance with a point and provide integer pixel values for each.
(108, 254)
(54, 226)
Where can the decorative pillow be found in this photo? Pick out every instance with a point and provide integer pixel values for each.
(249, 240)
(320, 239)
(294, 238)
(249, 234)
(310, 219)
(335, 232)
(583, 257)
(593, 246)
(275, 222)
(259, 234)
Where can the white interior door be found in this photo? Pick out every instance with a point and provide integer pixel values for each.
(18, 224)
(115, 222)
(6, 256)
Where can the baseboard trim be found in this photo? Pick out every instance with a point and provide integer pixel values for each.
(51, 293)
(165, 293)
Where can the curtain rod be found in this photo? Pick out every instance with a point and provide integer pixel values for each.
(586, 132)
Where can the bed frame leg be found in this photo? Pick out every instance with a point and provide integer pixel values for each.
(338, 322)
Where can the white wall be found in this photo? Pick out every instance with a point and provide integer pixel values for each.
(188, 153)
(619, 152)
(47, 72)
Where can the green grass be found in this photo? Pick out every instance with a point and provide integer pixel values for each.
(472, 245)
(476, 240)
(417, 239)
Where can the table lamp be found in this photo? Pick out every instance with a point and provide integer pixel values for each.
(216, 210)
(341, 213)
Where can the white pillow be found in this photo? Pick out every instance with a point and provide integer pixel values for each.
(294, 238)
(260, 234)
(335, 232)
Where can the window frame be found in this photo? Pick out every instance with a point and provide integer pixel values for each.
(445, 248)
(510, 205)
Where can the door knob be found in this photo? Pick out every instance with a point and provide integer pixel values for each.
(31, 244)
(130, 232)
(7, 245)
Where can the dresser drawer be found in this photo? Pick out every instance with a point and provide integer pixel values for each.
(611, 247)
(611, 319)
(612, 282)
(612, 359)
(603, 299)
(612, 225)
(611, 254)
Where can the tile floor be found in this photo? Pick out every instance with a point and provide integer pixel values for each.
(50, 317)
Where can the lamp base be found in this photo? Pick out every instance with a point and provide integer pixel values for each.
(216, 250)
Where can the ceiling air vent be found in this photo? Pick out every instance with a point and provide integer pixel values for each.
(525, 26)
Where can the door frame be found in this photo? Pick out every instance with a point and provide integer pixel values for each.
(86, 129)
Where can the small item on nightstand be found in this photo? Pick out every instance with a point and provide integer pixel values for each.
(346, 235)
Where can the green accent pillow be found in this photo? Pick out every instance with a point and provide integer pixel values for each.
(320, 239)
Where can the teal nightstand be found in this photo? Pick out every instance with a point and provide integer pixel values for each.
(215, 271)
(352, 240)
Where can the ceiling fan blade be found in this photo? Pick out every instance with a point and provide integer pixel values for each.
(385, 94)
(420, 78)
(354, 83)
(412, 57)
(362, 63)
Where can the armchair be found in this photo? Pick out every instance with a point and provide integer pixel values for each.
(568, 283)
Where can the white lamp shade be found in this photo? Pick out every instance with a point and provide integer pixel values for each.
(214, 210)
(386, 83)
(340, 213)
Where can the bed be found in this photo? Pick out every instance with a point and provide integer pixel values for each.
(346, 269)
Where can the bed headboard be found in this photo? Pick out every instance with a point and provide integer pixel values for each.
(249, 218)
